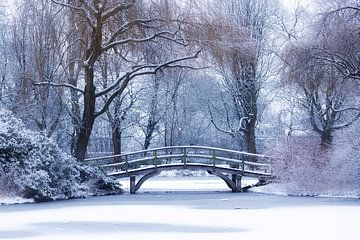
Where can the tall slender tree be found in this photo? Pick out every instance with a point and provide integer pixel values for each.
(237, 32)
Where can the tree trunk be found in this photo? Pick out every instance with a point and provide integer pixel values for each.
(251, 110)
(152, 122)
(116, 141)
(326, 138)
(251, 145)
(74, 108)
(148, 136)
(88, 116)
(250, 140)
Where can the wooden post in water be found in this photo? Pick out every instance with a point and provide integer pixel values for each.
(236, 178)
(132, 184)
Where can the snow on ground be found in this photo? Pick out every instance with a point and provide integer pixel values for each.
(196, 208)
(5, 200)
(287, 189)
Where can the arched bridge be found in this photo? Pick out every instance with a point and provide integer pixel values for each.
(229, 165)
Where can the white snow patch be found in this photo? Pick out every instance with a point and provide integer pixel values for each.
(283, 189)
(14, 200)
(183, 172)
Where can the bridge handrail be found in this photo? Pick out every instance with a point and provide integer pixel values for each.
(179, 164)
(187, 155)
(177, 147)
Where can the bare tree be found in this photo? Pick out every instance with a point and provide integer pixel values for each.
(122, 104)
(338, 34)
(237, 34)
(4, 52)
(36, 48)
(330, 101)
(112, 26)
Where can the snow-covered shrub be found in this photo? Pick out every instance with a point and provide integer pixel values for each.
(303, 167)
(33, 166)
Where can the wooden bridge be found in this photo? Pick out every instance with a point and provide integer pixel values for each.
(229, 165)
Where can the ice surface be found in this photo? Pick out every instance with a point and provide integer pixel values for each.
(209, 212)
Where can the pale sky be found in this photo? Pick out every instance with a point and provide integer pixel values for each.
(291, 4)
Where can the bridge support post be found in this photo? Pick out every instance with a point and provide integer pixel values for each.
(262, 180)
(132, 184)
(236, 178)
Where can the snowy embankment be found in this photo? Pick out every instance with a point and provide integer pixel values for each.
(14, 200)
(180, 180)
(288, 190)
(205, 211)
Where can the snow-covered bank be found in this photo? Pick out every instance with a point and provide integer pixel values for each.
(170, 182)
(287, 190)
(14, 200)
(183, 215)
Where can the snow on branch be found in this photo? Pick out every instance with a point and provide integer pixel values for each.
(57, 85)
(125, 27)
(349, 123)
(137, 69)
(346, 109)
(232, 131)
(110, 12)
(136, 72)
(355, 8)
(136, 40)
(72, 7)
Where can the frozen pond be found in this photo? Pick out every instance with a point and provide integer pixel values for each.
(184, 208)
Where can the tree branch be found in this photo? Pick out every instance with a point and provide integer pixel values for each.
(116, 9)
(136, 69)
(57, 85)
(134, 40)
(67, 5)
(133, 74)
(124, 28)
(345, 125)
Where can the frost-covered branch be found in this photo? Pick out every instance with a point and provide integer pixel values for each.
(125, 27)
(348, 124)
(57, 85)
(139, 68)
(137, 72)
(135, 40)
(123, 6)
(72, 7)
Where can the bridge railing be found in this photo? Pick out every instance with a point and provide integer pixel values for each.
(183, 155)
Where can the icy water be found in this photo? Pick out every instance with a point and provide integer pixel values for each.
(184, 208)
